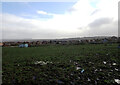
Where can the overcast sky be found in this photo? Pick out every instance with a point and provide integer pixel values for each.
(51, 20)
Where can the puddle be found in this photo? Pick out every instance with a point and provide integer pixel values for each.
(117, 81)
(42, 62)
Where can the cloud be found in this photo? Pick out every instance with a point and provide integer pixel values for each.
(71, 10)
(17, 27)
(42, 12)
(82, 20)
(94, 12)
(110, 28)
(100, 22)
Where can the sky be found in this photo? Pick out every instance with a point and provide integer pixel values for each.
(56, 20)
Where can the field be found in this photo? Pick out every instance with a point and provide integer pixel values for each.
(89, 64)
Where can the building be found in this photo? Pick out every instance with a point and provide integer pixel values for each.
(1, 44)
(23, 45)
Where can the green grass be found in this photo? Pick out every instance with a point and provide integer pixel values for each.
(63, 68)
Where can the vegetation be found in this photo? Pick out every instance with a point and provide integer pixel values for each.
(61, 64)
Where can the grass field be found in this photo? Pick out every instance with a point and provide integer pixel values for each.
(87, 64)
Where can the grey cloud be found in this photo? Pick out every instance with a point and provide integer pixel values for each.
(104, 28)
(14, 27)
(72, 10)
(22, 34)
(100, 27)
(100, 22)
(96, 11)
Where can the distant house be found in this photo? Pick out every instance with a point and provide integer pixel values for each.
(23, 45)
(105, 40)
(1, 44)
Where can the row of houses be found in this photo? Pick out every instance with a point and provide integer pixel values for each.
(61, 42)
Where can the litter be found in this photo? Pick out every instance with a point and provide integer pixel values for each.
(107, 54)
(98, 79)
(42, 62)
(88, 79)
(104, 62)
(72, 83)
(96, 70)
(117, 81)
(114, 64)
(18, 65)
(111, 70)
(71, 74)
(77, 68)
(116, 69)
(82, 71)
(95, 82)
(75, 63)
(100, 69)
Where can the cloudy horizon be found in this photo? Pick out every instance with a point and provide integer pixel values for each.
(55, 20)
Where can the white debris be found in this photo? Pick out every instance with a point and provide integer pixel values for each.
(77, 68)
(95, 82)
(98, 79)
(90, 62)
(71, 74)
(111, 70)
(82, 71)
(88, 79)
(100, 69)
(114, 64)
(42, 62)
(75, 63)
(78, 77)
(48, 62)
(104, 62)
(106, 54)
(117, 81)
(116, 69)
(96, 69)
(18, 65)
